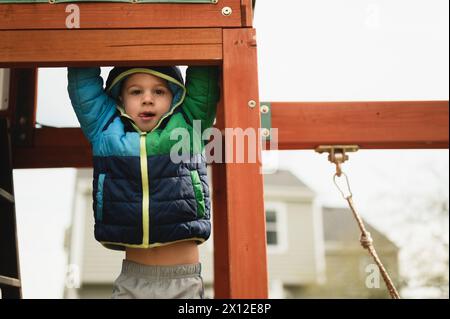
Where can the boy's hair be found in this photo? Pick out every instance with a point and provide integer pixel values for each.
(117, 77)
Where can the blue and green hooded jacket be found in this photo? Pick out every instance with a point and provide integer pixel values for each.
(141, 198)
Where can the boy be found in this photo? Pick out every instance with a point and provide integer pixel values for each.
(155, 209)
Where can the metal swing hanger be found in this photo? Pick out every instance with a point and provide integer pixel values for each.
(337, 155)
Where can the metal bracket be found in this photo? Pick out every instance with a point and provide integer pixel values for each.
(337, 154)
(266, 120)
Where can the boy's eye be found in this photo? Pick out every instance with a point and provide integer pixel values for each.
(160, 92)
(135, 92)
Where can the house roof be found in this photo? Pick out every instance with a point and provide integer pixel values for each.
(283, 178)
(339, 225)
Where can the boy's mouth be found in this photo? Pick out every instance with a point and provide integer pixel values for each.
(146, 115)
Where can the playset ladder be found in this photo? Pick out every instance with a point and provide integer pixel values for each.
(10, 285)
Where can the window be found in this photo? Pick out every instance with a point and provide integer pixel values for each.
(271, 227)
(276, 227)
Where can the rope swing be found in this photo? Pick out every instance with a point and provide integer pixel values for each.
(337, 156)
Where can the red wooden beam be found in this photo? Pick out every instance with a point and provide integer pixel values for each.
(371, 125)
(54, 147)
(120, 15)
(110, 47)
(240, 263)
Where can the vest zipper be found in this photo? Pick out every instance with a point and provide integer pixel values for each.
(145, 191)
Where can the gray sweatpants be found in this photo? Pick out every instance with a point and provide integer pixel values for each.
(138, 281)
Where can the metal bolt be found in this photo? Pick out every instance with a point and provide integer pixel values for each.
(265, 132)
(264, 109)
(251, 103)
(23, 120)
(215, 1)
(227, 11)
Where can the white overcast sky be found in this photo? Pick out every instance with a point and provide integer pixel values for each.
(309, 50)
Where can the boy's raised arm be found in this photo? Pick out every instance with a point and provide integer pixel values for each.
(92, 105)
(202, 94)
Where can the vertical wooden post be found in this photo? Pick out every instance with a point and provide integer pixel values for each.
(23, 105)
(240, 269)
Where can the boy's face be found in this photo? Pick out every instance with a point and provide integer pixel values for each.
(146, 99)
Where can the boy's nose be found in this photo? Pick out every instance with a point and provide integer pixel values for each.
(148, 98)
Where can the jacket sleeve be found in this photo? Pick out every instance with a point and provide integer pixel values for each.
(93, 107)
(202, 95)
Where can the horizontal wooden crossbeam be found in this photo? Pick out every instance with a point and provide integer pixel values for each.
(54, 147)
(371, 125)
(63, 48)
(46, 16)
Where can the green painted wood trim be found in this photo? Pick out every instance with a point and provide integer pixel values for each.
(266, 119)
